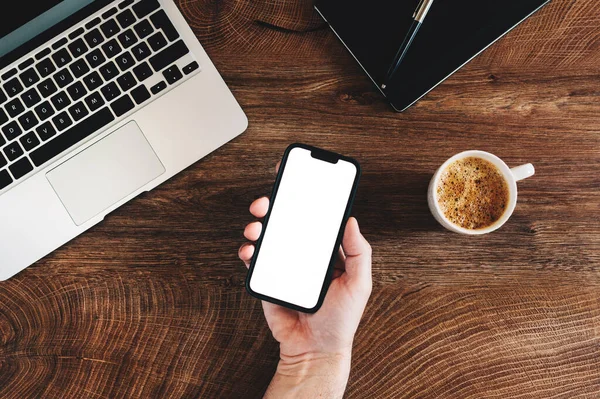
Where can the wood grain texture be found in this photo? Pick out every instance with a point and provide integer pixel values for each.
(151, 302)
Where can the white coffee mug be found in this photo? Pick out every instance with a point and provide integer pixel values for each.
(512, 176)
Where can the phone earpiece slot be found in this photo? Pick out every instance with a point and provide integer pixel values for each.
(325, 156)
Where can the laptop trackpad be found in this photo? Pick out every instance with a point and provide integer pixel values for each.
(105, 173)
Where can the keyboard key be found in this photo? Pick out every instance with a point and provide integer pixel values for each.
(72, 136)
(75, 33)
(109, 13)
(145, 7)
(78, 111)
(9, 74)
(122, 105)
(141, 51)
(29, 77)
(142, 71)
(45, 67)
(3, 97)
(62, 121)
(20, 168)
(26, 63)
(29, 141)
(28, 120)
(140, 94)
(93, 38)
(161, 21)
(79, 68)
(13, 151)
(61, 58)
(77, 48)
(109, 70)
(125, 18)
(169, 55)
(12, 131)
(45, 131)
(143, 29)
(60, 100)
(76, 91)
(95, 58)
(3, 119)
(13, 87)
(126, 81)
(44, 110)
(93, 23)
(5, 178)
(157, 41)
(30, 98)
(127, 38)
(189, 68)
(2, 142)
(47, 87)
(157, 88)
(59, 43)
(111, 48)
(125, 61)
(14, 107)
(124, 4)
(92, 81)
(110, 28)
(94, 101)
(42, 53)
(110, 91)
(172, 74)
(63, 77)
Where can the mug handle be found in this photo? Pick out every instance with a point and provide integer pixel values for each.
(523, 171)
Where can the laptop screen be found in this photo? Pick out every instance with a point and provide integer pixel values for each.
(28, 24)
(28, 19)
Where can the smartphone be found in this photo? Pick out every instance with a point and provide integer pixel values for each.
(302, 231)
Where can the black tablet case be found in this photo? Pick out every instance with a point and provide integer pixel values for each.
(452, 34)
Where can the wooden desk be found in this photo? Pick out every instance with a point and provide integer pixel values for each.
(151, 303)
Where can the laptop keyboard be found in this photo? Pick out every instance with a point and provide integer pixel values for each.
(112, 65)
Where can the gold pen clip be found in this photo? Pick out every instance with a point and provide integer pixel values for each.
(422, 10)
(418, 8)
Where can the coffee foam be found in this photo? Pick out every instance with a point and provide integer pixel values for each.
(472, 193)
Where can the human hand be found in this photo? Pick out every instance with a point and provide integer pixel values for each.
(311, 344)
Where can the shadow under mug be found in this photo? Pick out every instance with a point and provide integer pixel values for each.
(512, 176)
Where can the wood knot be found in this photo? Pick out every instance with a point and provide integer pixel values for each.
(534, 229)
(492, 78)
(7, 332)
(358, 98)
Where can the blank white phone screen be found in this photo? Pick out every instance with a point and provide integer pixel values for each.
(302, 229)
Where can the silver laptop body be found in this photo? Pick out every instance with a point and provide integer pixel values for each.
(111, 107)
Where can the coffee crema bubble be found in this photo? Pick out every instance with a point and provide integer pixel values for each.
(472, 193)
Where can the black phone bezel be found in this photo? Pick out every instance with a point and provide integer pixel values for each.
(326, 156)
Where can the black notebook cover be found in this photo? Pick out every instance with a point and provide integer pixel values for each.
(453, 33)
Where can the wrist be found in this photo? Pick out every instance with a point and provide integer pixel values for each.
(311, 375)
(311, 364)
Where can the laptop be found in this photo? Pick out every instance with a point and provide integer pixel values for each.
(452, 34)
(99, 101)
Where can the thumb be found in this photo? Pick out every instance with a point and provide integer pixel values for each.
(358, 255)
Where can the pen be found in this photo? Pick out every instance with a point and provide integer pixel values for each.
(418, 17)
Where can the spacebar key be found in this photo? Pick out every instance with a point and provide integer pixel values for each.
(169, 55)
(72, 136)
